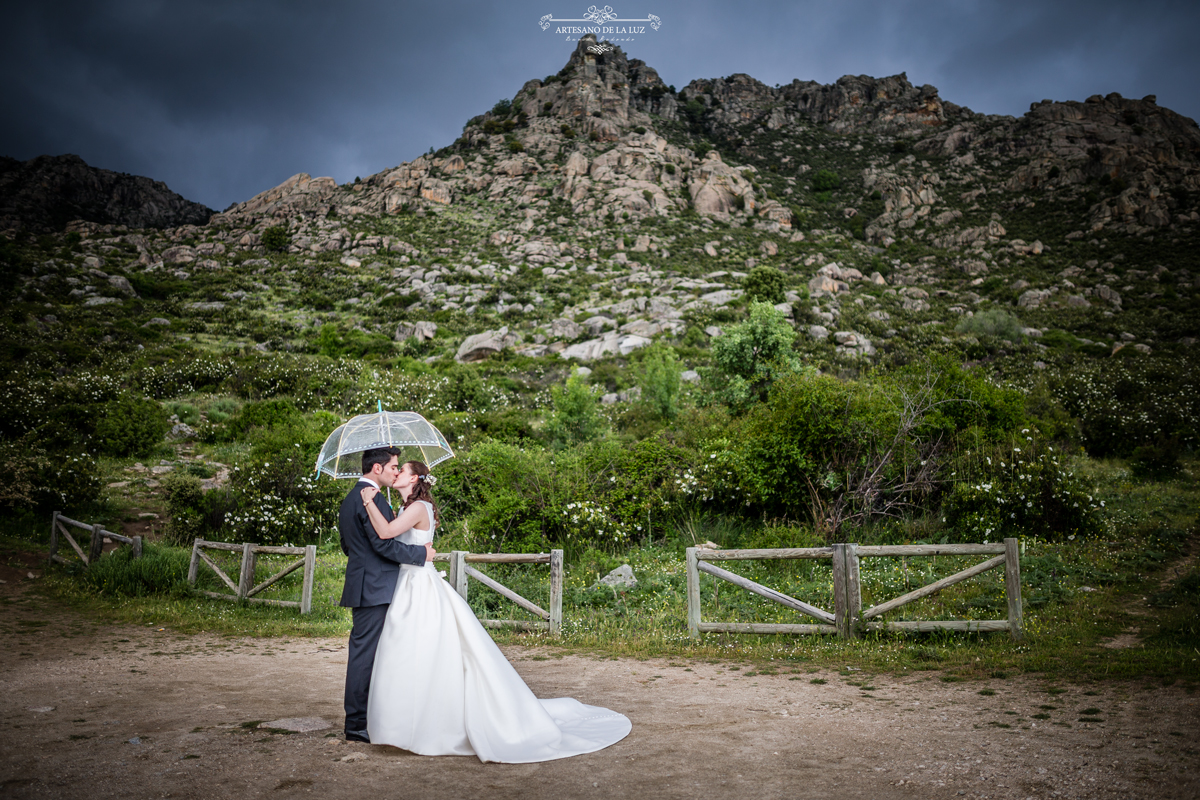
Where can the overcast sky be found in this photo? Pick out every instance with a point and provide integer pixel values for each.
(223, 99)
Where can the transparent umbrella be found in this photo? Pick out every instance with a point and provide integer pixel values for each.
(415, 436)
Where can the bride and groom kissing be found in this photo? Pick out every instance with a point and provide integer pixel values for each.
(423, 674)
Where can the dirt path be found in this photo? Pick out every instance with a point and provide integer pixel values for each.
(98, 711)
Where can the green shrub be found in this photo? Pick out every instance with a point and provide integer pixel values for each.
(660, 382)
(506, 425)
(789, 447)
(130, 426)
(515, 146)
(274, 495)
(849, 452)
(1126, 404)
(41, 480)
(765, 284)
(463, 390)
(264, 414)
(1156, 460)
(993, 322)
(1047, 414)
(1021, 491)
(185, 508)
(184, 376)
(352, 343)
(825, 180)
(276, 239)
(750, 356)
(576, 417)
(505, 494)
(522, 498)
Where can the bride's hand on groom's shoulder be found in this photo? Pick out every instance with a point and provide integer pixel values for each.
(368, 494)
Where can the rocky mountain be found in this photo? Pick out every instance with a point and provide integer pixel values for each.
(47, 192)
(600, 209)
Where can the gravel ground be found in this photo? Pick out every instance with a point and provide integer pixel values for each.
(99, 711)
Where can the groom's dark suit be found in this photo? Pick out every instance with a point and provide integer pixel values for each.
(372, 567)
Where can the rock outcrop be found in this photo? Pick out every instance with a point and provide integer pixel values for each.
(48, 192)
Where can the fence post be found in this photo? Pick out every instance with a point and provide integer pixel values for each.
(853, 591)
(97, 544)
(840, 611)
(310, 567)
(246, 578)
(136, 546)
(53, 536)
(556, 584)
(693, 593)
(458, 572)
(1012, 588)
(194, 566)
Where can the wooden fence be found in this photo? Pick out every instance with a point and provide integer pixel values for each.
(848, 617)
(245, 589)
(58, 527)
(460, 570)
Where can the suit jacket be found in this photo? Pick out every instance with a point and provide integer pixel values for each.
(372, 564)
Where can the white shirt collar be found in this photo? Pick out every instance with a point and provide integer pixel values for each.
(365, 479)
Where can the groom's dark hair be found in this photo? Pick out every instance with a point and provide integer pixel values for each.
(380, 455)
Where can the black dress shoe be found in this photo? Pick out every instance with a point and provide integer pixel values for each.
(358, 736)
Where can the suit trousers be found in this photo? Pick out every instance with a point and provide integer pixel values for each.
(364, 638)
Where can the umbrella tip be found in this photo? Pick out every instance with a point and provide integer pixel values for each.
(380, 404)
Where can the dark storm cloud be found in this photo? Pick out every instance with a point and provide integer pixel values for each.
(225, 99)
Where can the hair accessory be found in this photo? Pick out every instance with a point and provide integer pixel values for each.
(428, 479)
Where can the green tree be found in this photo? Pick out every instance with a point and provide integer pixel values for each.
(276, 239)
(750, 356)
(765, 284)
(131, 426)
(576, 416)
(826, 180)
(660, 382)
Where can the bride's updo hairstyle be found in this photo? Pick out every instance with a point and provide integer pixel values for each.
(421, 489)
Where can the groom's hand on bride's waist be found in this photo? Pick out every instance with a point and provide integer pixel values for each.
(429, 553)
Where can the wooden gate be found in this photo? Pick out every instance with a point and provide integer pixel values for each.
(461, 570)
(58, 527)
(245, 589)
(848, 617)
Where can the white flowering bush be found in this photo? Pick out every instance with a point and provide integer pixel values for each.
(1126, 403)
(270, 519)
(184, 376)
(278, 498)
(588, 521)
(34, 479)
(1021, 491)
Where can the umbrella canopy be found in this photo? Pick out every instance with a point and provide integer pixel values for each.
(341, 455)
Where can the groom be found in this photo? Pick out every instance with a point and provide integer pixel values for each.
(372, 567)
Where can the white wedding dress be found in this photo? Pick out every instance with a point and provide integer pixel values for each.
(441, 686)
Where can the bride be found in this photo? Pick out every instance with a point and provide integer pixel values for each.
(441, 686)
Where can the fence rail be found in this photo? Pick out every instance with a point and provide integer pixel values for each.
(245, 589)
(58, 528)
(848, 617)
(461, 570)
